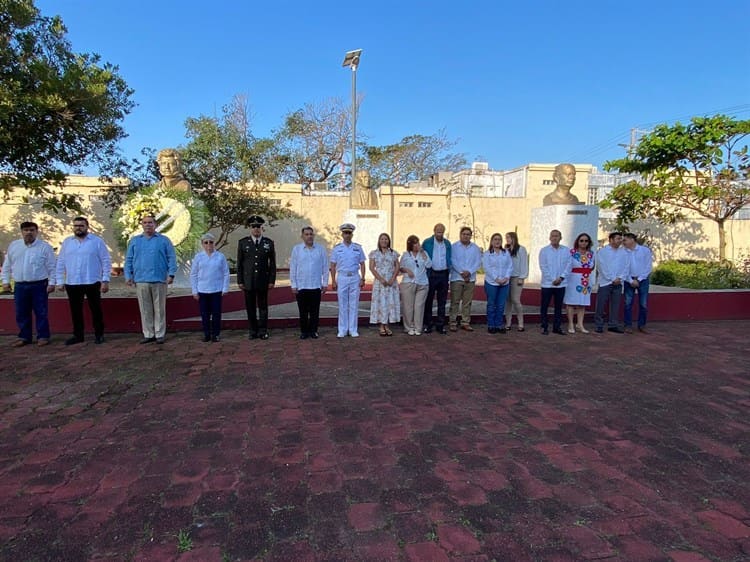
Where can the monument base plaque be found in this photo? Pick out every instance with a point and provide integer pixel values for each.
(570, 220)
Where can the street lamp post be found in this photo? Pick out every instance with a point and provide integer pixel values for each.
(351, 59)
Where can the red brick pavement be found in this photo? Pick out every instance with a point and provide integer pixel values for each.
(459, 447)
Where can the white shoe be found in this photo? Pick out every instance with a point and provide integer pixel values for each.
(417, 333)
(412, 332)
(571, 331)
(340, 335)
(354, 335)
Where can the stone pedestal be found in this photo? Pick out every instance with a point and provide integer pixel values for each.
(570, 220)
(370, 223)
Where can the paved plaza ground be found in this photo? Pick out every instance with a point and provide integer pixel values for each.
(470, 446)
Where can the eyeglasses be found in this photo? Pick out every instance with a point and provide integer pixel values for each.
(254, 226)
(346, 232)
(208, 242)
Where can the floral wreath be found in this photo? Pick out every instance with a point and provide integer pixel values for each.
(178, 214)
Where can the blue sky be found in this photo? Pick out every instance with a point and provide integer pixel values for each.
(514, 82)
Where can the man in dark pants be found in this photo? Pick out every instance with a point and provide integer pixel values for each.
(308, 277)
(439, 249)
(256, 274)
(553, 263)
(83, 270)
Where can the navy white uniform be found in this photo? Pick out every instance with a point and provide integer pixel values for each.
(348, 259)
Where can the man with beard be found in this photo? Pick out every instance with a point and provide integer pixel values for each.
(84, 266)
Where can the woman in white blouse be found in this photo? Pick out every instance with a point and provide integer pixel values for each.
(520, 258)
(414, 285)
(498, 267)
(209, 279)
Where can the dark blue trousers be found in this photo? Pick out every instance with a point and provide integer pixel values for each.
(210, 304)
(32, 297)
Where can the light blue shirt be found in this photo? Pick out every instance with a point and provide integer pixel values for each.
(83, 261)
(209, 273)
(150, 260)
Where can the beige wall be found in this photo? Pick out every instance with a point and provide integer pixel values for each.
(688, 239)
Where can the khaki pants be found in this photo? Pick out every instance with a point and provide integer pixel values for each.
(413, 297)
(461, 292)
(513, 304)
(152, 301)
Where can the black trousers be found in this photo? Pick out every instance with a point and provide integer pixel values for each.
(256, 304)
(548, 294)
(308, 303)
(438, 286)
(76, 294)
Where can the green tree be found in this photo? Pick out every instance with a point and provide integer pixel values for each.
(699, 168)
(58, 108)
(230, 169)
(413, 158)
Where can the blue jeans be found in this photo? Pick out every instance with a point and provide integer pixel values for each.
(642, 303)
(496, 297)
(31, 296)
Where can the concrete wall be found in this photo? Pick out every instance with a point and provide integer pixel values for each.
(415, 211)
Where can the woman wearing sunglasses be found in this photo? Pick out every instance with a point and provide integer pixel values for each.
(209, 279)
(580, 282)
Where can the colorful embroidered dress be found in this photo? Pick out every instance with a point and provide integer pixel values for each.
(580, 278)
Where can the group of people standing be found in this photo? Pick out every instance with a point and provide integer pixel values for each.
(429, 271)
(622, 267)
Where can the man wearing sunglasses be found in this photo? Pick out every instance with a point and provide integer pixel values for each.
(256, 274)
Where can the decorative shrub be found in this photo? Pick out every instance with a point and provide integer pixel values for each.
(692, 274)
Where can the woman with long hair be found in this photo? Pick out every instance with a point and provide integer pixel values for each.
(414, 285)
(498, 268)
(384, 307)
(520, 258)
(578, 291)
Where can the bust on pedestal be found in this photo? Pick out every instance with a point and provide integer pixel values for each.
(561, 211)
(365, 214)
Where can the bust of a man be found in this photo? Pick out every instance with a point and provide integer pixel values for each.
(170, 167)
(362, 195)
(565, 178)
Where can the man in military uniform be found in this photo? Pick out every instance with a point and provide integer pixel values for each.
(347, 279)
(256, 273)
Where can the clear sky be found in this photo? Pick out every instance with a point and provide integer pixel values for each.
(514, 82)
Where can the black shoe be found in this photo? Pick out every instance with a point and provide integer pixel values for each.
(253, 336)
(501, 330)
(545, 332)
(559, 332)
(616, 330)
(264, 336)
(599, 330)
(303, 336)
(427, 330)
(160, 340)
(314, 335)
(442, 330)
(99, 340)
(74, 340)
(206, 339)
(216, 339)
(148, 340)
(491, 330)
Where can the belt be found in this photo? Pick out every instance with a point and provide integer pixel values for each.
(439, 270)
(582, 270)
(30, 282)
(349, 273)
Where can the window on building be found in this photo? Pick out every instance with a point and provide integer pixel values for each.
(275, 202)
(425, 204)
(548, 182)
(406, 204)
